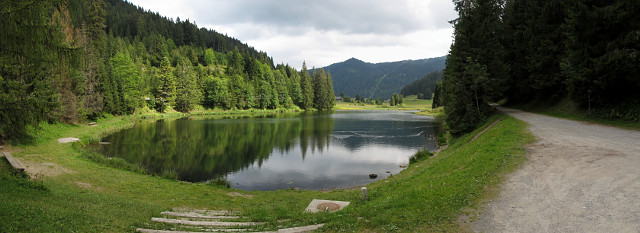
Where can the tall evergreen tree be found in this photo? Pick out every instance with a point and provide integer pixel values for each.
(27, 53)
(307, 88)
(167, 86)
(126, 73)
(475, 72)
(187, 92)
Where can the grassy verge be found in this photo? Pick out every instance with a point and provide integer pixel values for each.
(569, 110)
(79, 195)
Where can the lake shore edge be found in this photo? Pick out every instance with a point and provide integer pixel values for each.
(160, 194)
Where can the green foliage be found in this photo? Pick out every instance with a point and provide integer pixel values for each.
(59, 64)
(166, 89)
(27, 58)
(307, 89)
(396, 100)
(188, 94)
(216, 92)
(437, 93)
(209, 57)
(425, 87)
(585, 50)
(125, 74)
(601, 65)
(324, 97)
(419, 156)
(219, 183)
(475, 73)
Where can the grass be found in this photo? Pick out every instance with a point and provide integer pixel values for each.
(410, 103)
(567, 109)
(95, 197)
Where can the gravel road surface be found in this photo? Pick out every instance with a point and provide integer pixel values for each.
(579, 177)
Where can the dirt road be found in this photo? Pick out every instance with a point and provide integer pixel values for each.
(579, 177)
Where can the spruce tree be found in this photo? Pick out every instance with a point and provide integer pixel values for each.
(307, 88)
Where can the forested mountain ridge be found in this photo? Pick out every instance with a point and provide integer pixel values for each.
(124, 19)
(380, 80)
(71, 60)
(424, 87)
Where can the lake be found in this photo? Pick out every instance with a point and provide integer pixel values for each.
(277, 151)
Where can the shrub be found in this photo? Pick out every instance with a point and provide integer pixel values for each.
(419, 156)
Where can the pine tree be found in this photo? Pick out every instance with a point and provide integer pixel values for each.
(126, 73)
(188, 95)
(474, 73)
(167, 88)
(27, 53)
(307, 88)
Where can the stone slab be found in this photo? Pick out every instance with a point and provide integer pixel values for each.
(313, 206)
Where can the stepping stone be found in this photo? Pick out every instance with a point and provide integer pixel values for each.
(284, 230)
(325, 205)
(297, 229)
(68, 140)
(205, 223)
(197, 215)
(143, 230)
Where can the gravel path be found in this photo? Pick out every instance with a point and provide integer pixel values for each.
(579, 177)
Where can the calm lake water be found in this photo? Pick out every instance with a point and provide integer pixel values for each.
(279, 151)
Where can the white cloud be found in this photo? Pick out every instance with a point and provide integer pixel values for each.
(324, 32)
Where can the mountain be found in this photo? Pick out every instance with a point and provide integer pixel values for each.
(379, 80)
(123, 19)
(424, 87)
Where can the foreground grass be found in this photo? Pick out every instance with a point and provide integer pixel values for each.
(91, 197)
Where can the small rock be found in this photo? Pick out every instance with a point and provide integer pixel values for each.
(403, 165)
(388, 171)
(373, 176)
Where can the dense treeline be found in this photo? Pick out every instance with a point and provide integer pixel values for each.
(70, 60)
(543, 51)
(424, 87)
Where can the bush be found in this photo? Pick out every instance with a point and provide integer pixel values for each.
(419, 156)
(219, 182)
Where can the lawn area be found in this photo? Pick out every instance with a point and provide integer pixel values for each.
(77, 194)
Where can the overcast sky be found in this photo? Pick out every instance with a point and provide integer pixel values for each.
(324, 32)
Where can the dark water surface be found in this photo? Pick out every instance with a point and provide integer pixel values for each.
(279, 151)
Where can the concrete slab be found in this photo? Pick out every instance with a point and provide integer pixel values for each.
(68, 140)
(325, 205)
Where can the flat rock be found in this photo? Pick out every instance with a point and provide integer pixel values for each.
(68, 140)
(321, 205)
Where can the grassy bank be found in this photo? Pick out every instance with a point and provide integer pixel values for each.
(569, 110)
(76, 194)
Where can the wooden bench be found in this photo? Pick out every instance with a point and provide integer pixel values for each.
(17, 166)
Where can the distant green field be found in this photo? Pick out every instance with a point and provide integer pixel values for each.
(409, 103)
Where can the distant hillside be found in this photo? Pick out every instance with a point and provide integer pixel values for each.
(424, 87)
(380, 80)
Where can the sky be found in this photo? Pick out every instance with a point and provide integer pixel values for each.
(324, 32)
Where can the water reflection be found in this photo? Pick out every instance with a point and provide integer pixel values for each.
(269, 152)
